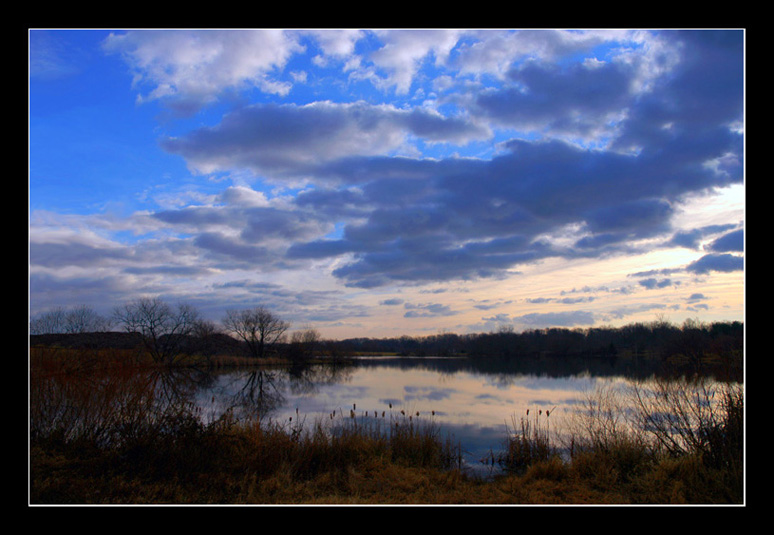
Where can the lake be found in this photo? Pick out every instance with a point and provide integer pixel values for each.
(473, 402)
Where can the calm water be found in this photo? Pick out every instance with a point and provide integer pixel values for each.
(474, 403)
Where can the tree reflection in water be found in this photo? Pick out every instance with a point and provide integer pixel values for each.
(261, 392)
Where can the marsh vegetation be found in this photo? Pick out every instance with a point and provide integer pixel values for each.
(133, 417)
(113, 426)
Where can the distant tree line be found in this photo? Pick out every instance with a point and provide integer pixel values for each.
(167, 331)
(660, 339)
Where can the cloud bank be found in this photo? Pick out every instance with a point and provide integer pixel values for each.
(470, 155)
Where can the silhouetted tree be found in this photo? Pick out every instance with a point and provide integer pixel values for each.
(303, 344)
(50, 322)
(78, 319)
(83, 319)
(258, 327)
(163, 328)
(205, 340)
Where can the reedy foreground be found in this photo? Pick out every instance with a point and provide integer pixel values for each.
(99, 435)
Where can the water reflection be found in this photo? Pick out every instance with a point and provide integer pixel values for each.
(474, 402)
(266, 393)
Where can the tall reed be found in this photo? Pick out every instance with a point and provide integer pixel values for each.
(528, 442)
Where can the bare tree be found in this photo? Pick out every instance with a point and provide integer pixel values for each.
(78, 319)
(161, 326)
(83, 319)
(50, 322)
(205, 333)
(304, 343)
(258, 327)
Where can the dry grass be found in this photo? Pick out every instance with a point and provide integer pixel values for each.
(101, 434)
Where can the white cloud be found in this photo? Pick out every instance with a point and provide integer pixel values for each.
(404, 50)
(496, 52)
(377, 211)
(195, 67)
(337, 43)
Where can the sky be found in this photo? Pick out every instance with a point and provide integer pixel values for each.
(388, 182)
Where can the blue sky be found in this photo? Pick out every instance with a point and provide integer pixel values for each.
(388, 182)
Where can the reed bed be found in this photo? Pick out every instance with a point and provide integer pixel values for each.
(528, 442)
(104, 430)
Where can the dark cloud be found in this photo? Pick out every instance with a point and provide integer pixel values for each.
(255, 224)
(688, 112)
(653, 283)
(292, 140)
(220, 245)
(412, 220)
(476, 218)
(579, 100)
(723, 263)
(733, 242)
(76, 253)
(691, 239)
(589, 160)
(482, 218)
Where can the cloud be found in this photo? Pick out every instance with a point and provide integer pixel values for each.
(221, 245)
(189, 69)
(476, 218)
(427, 310)
(253, 224)
(519, 153)
(652, 283)
(337, 43)
(558, 319)
(724, 263)
(291, 140)
(75, 253)
(732, 242)
(585, 102)
(496, 52)
(691, 239)
(403, 51)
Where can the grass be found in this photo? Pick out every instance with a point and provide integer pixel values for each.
(100, 434)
